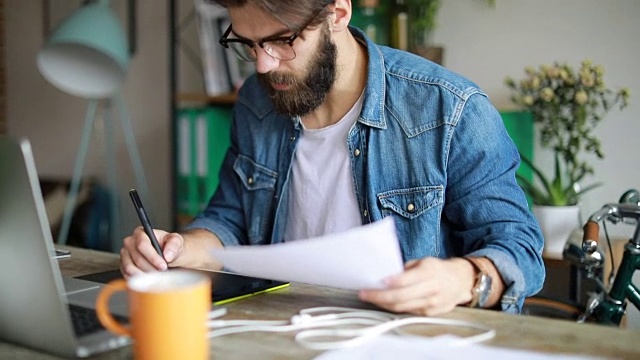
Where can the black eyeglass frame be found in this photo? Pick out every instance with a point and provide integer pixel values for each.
(224, 40)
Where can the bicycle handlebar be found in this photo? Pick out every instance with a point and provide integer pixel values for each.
(614, 213)
(590, 237)
(608, 304)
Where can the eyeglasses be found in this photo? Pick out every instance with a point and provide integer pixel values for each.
(278, 47)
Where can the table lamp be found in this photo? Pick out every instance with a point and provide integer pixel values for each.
(87, 56)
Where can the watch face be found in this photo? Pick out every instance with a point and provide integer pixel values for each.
(483, 289)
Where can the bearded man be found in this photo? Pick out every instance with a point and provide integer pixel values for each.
(334, 132)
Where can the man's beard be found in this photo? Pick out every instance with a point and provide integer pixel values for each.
(304, 95)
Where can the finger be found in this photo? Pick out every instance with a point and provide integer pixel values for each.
(416, 299)
(404, 289)
(144, 255)
(428, 306)
(414, 273)
(393, 296)
(172, 246)
(128, 258)
(127, 267)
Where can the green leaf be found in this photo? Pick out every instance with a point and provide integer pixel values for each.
(557, 192)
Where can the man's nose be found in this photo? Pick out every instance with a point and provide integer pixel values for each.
(265, 62)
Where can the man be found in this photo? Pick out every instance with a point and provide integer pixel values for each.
(334, 132)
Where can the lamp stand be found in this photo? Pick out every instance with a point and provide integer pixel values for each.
(109, 136)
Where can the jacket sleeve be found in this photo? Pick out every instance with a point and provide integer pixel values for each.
(486, 206)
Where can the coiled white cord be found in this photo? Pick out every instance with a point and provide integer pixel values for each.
(332, 321)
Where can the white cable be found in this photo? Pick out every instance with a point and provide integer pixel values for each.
(369, 324)
(213, 314)
(359, 336)
(304, 319)
(328, 312)
(238, 326)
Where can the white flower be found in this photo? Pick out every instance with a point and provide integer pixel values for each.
(587, 80)
(599, 70)
(535, 83)
(586, 63)
(553, 72)
(547, 94)
(581, 97)
(527, 100)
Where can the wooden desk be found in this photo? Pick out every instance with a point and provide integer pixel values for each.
(513, 331)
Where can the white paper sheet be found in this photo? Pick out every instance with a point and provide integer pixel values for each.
(359, 258)
(443, 347)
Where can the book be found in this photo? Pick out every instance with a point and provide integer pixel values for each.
(213, 133)
(203, 137)
(185, 187)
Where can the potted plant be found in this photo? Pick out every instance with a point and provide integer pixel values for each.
(567, 105)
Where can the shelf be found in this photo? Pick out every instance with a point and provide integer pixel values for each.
(227, 99)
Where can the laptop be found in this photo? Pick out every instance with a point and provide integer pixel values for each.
(38, 303)
(40, 308)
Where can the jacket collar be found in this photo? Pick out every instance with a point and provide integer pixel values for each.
(372, 113)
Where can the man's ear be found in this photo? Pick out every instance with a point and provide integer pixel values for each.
(342, 15)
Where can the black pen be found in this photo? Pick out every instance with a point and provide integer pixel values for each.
(144, 219)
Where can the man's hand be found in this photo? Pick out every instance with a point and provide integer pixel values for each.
(138, 255)
(189, 249)
(427, 287)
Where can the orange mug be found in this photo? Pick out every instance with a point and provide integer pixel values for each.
(167, 314)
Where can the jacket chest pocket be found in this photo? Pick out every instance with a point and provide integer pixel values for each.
(417, 212)
(258, 187)
(412, 202)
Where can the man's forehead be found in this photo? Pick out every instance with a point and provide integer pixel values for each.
(251, 22)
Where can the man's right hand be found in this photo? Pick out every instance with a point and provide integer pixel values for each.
(138, 255)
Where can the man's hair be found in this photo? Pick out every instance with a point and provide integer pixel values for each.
(292, 13)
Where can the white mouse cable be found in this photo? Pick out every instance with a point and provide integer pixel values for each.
(377, 323)
(359, 336)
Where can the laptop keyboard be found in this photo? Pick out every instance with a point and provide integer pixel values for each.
(85, 321)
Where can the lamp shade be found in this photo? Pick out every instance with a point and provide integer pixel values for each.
(87, 55)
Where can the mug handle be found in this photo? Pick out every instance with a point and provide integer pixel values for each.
(102, 307)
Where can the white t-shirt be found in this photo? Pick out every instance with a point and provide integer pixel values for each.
(322, 198)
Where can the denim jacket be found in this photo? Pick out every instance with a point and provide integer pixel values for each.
(428, 149)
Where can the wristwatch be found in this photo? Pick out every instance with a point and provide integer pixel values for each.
(482, 288)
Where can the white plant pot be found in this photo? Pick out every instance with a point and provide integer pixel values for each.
(557, 223)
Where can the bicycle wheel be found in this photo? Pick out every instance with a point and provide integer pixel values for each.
(537, 306)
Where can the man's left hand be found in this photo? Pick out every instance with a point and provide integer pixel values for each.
(427, 287)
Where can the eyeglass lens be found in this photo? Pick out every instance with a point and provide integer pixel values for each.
(277, 49)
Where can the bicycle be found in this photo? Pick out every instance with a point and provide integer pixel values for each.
(607, 305)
